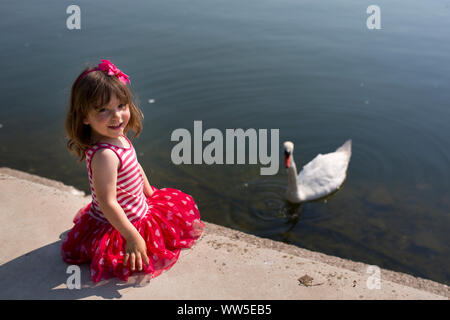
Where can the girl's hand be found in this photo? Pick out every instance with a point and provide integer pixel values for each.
(136, 250)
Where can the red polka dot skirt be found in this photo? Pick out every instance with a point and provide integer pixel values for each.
(172, 223)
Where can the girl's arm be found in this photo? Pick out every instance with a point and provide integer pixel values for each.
(147, 189)
(104, 167)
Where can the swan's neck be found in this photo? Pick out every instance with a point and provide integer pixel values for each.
(293, 189)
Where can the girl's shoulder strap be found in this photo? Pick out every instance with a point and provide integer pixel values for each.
(129, 142)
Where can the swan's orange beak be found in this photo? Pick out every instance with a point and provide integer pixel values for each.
(287, 159)
(287, 162)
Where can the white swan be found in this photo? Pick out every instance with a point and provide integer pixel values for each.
(320, 177)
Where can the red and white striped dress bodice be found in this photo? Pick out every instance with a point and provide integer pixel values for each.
(130, 183)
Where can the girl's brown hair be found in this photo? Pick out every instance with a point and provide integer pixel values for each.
(93, 91)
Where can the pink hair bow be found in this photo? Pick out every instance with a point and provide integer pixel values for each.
(112, 70)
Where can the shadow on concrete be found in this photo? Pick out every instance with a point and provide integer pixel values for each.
(42, 274)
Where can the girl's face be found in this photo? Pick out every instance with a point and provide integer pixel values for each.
(108, 122)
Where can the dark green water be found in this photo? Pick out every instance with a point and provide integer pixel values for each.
(311, 69)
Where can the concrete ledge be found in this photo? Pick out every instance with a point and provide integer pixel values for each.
(224, 263)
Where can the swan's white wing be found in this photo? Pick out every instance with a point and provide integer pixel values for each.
(325, 173)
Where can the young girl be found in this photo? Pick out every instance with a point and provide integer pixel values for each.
(129, 226)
